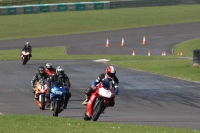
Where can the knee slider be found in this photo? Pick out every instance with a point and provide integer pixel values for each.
(88, 91)
(69, 94)
(112, 102)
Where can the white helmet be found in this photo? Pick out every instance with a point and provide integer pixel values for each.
(27, 43)
(48, 65)
(60, 70)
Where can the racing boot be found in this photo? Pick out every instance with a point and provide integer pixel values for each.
(85, 102)
(67, 96)
(65, 104)
(48, 98)
(48, 104)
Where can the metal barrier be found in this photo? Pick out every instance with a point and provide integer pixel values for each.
(28, 9)
(79, 6)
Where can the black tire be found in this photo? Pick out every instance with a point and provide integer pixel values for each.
(86, 117)
(98, 110)
(56, 108)
(43, 102)
(25, 60)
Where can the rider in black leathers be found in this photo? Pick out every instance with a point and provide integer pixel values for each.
(62, 77)
(28, 48)
(41, 74)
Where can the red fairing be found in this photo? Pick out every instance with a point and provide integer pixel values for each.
(89, 108)
(94, 95)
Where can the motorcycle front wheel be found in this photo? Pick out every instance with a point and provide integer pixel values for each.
(25, 60)
(43, 102)
(97, 109)
(56, 108)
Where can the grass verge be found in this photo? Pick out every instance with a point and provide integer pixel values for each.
(164, 65)
(72, 22)
(41, 124)
(187, 47)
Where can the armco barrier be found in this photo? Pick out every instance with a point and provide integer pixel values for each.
(80, 6)
(28, 9)
(37, 8)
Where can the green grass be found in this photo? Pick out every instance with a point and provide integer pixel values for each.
(72, 22)
(187, 47)
(41, 124)
(164, 65)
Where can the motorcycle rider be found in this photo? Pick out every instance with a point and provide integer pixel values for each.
(49, 69)
(61, 77)
(41, 74)
(28, 48)
(111, 76)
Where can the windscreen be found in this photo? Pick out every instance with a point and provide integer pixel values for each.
(58, 84)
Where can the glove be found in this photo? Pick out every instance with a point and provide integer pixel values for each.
(94, 88)
(113, 95)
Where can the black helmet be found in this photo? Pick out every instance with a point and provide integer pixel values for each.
(41, 70)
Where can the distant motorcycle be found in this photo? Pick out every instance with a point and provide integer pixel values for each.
(98, 102)
(57, 98)
(25, 56)
(41, 90)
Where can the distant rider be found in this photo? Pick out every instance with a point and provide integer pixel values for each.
(41, 74)
(27, 48)
(111, 76)
(61, 77)
(49, 69)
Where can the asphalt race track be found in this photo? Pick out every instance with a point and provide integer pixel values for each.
(144, 98)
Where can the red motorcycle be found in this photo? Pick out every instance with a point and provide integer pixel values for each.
(98, 102)
(25, 56)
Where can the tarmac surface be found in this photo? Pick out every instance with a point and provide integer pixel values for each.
(144, 98)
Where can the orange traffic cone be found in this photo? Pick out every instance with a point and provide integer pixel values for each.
(181, 53)
(149, 54)
(144, 40)
(133, 53)
(122, 44)
(107, 43)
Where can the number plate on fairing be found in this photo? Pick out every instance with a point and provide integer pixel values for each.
(58, 92)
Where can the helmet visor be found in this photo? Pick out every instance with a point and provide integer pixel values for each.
(41, 71)
(112, 75)
(60, 72)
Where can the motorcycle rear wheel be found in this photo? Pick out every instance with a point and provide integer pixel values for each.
(98, 110)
